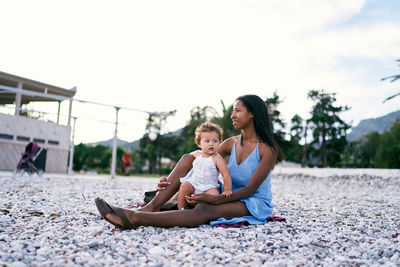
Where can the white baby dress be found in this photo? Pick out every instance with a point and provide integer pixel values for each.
(204, 175)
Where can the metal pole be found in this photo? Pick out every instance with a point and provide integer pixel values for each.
(114, 152)
(70, 111)
(58, 112)
(70, 107)
(18, 100)
(71, 150)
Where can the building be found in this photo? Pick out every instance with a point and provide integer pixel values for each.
(18, 129)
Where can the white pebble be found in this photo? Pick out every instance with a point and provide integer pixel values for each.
(156, 251)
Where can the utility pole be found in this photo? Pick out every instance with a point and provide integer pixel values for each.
(114, 152)
(72, 148)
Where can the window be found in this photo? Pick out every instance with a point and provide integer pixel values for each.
(52, 142)
(23, 138)
(37, 140)
(6, 136)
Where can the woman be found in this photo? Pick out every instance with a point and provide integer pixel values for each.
(252, 157)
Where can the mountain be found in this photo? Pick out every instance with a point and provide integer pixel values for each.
(129, 145)
(109, 143)
(380, 125)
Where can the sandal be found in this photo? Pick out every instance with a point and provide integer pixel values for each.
(105, 208)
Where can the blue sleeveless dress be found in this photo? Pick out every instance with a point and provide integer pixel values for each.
(260, 203)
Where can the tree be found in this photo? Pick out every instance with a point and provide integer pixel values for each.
(96, 155)
(151, 143)
(80, 152)
(154, 125)
(295, 151)
(106, 159)
(296, 131)
(92, 157)
(388, 150)
(225, 122)
(137, 161)
(375, 150)
(328, 129)
(171, 146)
(361, 153)
(368, 149)
(394, 78)
(147, 151)
(198, 115)
(277, 123)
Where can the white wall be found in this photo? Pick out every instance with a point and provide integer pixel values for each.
(56, 141)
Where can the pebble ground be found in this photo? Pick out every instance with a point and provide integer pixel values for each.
(334, 218)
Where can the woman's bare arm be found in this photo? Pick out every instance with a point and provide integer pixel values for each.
(225, 147)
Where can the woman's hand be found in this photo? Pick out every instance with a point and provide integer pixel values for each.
(203, 198)
(162, 183)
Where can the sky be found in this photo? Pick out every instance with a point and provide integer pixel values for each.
(159, 55)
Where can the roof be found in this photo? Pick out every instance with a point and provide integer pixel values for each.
(32, 90)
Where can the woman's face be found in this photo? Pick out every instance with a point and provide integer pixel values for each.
(240, 115)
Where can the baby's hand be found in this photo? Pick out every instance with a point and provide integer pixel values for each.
(227, 193)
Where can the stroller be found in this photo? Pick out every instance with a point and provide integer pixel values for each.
(33, 160)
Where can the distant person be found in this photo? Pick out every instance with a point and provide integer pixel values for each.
(253, 155)
(208, 164)
(126, 163)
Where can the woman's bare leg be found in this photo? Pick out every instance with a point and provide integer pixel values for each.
(186, 189)
(212, 191)
(183, 166)
(202, 213)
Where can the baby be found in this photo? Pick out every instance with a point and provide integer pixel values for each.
(208, 164)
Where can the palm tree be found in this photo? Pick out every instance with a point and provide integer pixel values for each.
(394, 78)
(225, 121)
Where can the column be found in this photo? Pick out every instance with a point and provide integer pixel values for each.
(70, 111)
(58, 112)
(71, 150)
(114, 152)
(18, 97)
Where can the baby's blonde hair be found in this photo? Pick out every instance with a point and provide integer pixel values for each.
(207, 127)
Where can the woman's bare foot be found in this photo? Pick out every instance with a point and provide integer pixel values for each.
(114, 218)
(121, 218)
(130, 215)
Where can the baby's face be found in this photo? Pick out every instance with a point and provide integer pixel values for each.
(209, 142)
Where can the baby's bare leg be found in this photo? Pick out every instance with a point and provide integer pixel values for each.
(186, 189)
